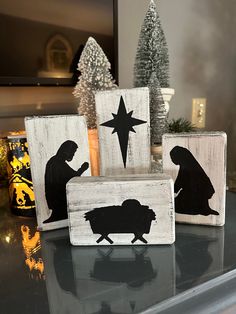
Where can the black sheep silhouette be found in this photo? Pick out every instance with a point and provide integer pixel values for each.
(130, 217)
(192, 186)
(57, 174)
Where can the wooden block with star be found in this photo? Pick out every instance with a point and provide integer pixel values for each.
(197, 164)
(121, 210)
(124, 131)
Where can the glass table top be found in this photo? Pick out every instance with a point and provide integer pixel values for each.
(43, 273)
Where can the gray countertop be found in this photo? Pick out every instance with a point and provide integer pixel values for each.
(48, 275)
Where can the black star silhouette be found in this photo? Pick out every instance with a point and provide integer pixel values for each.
(123, 123)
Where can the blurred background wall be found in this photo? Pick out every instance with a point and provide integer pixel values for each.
(202, 50)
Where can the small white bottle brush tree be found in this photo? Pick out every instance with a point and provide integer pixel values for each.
(95, 76)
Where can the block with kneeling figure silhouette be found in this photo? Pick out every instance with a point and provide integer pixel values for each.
(196, 162)
(59, 151)
(125, 210)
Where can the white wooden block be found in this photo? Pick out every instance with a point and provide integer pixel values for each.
(58, 147)
(197, 164)
(121, 210)
(124, 131)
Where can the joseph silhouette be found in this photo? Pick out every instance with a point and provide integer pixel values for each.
(57, 174)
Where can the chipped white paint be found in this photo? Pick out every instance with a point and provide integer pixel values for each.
(45, 135)
(209, 149)
(87, 193)
(138, 152)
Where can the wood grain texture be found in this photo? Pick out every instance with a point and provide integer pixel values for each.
(138, 153)
(86, 194)
(45, 135)
(209, 150)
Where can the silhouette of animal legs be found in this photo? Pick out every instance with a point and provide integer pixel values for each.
(104, 236)
(138, 237)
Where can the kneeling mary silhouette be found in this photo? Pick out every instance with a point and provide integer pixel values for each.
(57, 174)
(192, 186)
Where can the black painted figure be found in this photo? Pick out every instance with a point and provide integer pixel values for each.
(57, 174)
(130, 217)
(192, 186)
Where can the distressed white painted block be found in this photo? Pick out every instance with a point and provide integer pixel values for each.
(197, 164)
(123, 121)
(58, 147)
(121, 210)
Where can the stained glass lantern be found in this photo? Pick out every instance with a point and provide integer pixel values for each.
(21, 192)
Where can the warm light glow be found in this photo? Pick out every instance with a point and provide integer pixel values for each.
(33, 265)
(21, 188)
(3, 160)
(14, 133)
(8, 239)
(55, 74)
(94, 152)
(199, 112)
(31, 246)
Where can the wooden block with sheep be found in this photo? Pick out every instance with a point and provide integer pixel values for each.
(124, 210)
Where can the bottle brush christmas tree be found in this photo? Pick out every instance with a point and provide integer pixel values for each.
(152, 52)
(158, 110)
(95, 76)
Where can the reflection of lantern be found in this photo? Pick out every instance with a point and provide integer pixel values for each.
(20, 182)
(3, 160)
(32, 246)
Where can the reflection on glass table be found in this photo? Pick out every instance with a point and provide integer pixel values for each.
(22, 283)
(123, 279)
(198, 256)
(43, 273)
